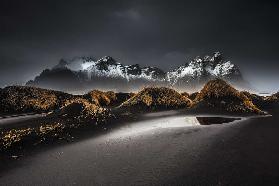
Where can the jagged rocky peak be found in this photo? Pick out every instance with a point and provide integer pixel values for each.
(204, 68)
(105, 63)
(107, 60)
(217, 56)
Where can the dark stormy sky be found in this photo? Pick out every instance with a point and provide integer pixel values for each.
(35, 34)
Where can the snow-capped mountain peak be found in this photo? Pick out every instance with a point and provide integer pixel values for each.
(213, 66)
(107, 60)
(88, 70)
(75, 64)
(107, 66)
(217, 54)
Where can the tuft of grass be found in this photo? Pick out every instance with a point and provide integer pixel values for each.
(14, 136)
(72, 116)
(49, 129)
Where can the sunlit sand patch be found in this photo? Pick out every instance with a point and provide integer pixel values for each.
(166, 120)
(147, 126)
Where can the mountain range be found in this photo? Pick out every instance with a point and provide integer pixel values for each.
(86, 73)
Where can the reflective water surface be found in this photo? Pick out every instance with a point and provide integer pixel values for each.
(215, 120)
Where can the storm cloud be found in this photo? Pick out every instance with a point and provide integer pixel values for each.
(34, 35)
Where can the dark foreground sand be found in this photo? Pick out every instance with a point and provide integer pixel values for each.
(244, 152)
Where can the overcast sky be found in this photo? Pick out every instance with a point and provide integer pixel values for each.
(34, 35)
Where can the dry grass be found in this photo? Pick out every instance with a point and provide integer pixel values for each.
(18, 99)
(274, 98)
(100, 98)
(156, 98)
(105, 99)
(219, 94)
(49, 129)
(193, 96)
(75, 114)
(37, 134)
(186, 94)
(83, 110)
(13, 136)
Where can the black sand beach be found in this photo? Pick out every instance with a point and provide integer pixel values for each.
(156, 151)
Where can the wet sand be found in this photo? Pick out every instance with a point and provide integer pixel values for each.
(158, 151)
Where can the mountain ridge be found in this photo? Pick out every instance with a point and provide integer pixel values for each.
(88, 73)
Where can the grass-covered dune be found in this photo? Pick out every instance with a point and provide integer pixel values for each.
(23, 99)
(68, 112)
(219, 96)
(156, 98)
(109, 98)
(76, 113)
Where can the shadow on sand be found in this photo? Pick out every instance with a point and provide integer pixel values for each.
(15, 157)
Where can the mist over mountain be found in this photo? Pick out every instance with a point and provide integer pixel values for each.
(86, 73)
